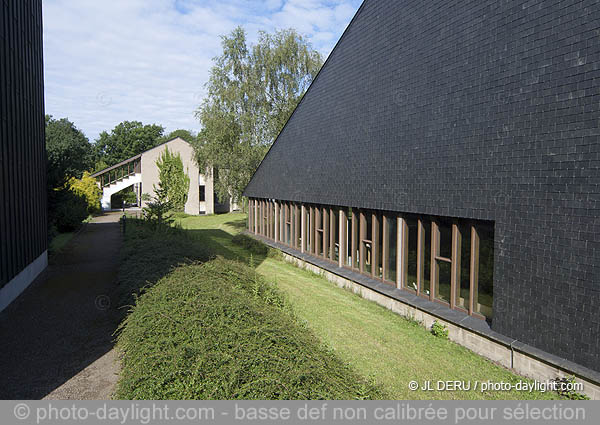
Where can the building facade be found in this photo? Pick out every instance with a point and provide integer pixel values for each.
(451, 150)
(141, 173)
(23, 217)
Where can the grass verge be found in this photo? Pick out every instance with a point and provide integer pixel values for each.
(372, 339)
(217, 330)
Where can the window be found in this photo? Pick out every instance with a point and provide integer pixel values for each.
(412, 266)
(335, 234)
(485, 274)
(447, 260)
(201, 193)
(319, 231)
(463, 288)
(441, 259)
(390, 241)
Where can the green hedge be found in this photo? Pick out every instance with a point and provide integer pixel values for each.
(218, 331)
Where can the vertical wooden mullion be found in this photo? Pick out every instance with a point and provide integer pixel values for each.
(303, 228)
(420, 256)
(455, 267)
(401, 253)
(435, 252)
(374, 245)
(277, 221)
(256, 215)
(474, 276)
(325, 227)
(353, 238)
(385, 248)
(296, 226)
(343, 248)
(332, 234)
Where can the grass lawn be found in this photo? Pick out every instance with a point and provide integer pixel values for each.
(377, 343)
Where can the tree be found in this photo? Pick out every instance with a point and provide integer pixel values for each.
(87, 188)
(68, 151)
(252, 92)
(173, 179)
(186, 135)
(127, 139)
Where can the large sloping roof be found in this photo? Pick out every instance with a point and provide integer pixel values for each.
(427, 106)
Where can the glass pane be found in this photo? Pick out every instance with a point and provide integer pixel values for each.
(392, 239)
(442, 290)
(412, 253)
(426, 287)
(368, 257)
(356, 236)
(486, 270)
(307, 232)
(348, 261)
(445, 227)
(462, 298)
(379, 236)
(336, 235)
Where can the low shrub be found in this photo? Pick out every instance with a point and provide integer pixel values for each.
(66, 210)
(439, 330)
(149, 252)
(219, 331)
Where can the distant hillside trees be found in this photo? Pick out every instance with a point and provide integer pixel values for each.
(252, 91)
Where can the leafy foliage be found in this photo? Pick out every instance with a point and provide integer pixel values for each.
(69, 152)
(66, 211)
(252, 92)
(173, 179)
(439, 330)
(157, 207)
(564, 389)
(186, 135)
(141, 267)
(86, 188)
(127, 139)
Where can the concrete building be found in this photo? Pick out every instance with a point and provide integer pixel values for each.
(23, 216)
(142, 174)
(446, 161)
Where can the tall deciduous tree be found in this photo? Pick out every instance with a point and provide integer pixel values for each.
(68, 151)
(252, 92)
(173, 179)
(127, 139)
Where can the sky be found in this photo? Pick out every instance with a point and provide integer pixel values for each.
(148, 60)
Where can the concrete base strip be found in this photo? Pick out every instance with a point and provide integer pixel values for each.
(14, 288)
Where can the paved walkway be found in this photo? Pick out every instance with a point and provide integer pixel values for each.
(57, 337)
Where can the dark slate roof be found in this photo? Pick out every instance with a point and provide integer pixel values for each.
(440, 107)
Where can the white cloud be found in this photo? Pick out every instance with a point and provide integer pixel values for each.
(148, 60)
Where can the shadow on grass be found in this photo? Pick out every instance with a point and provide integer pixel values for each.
(150, 253)
(238, 224)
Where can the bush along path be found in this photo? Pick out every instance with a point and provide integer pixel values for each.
(218, 331)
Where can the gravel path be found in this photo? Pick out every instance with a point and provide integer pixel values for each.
(57, 337)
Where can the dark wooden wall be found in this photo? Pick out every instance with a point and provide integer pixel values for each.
(23, 221)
